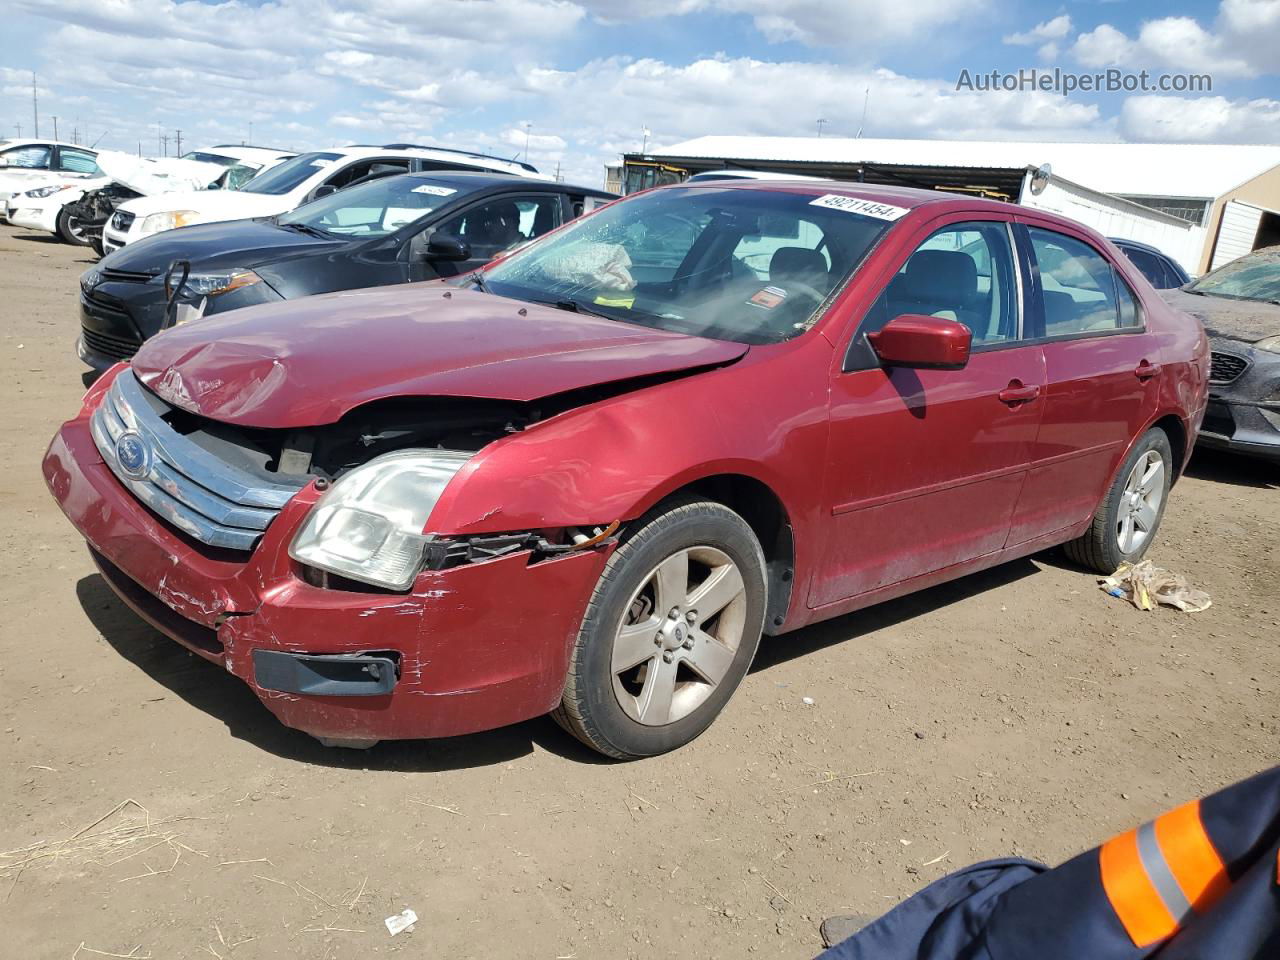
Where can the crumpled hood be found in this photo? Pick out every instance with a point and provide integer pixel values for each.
(1246, 320)
(308, 362)
(162, 175)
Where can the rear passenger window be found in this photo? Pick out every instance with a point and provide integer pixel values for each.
(1082, 293)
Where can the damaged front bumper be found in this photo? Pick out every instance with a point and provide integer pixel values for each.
(472, 647)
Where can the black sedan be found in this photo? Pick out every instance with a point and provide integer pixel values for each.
(1239, 305)
(398, 229)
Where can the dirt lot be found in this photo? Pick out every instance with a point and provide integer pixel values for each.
(1020, 711)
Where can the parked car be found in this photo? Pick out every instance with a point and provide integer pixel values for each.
(44, 208)
(30, 164)
(291, 184)
(225, 167)
(1161, 270)
(732, 173)
(394, 229)
(1239, 304)
(587, 479)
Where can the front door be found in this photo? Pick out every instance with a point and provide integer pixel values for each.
(925, 466)
(494, 228)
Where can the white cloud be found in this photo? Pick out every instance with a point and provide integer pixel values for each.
(1201, 120)
(1054, 29)
(1104, 46)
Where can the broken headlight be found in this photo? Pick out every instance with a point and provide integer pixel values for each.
(369, 525)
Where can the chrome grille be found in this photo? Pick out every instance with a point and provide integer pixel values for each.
(1225, 367)
(122, 220)
(214, 501)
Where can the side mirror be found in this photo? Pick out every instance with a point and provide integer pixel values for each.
(929, 343)
(323, 191)
(445, 246)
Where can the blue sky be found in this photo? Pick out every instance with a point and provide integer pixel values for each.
(588, 76)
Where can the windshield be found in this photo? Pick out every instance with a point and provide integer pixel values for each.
(284, 177)
(373, 209)
(1254, 276)
(752, 265)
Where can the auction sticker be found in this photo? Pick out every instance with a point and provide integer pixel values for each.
(769, 297)
(434, 190)
(867, 208)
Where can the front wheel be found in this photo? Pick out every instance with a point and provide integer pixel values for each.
(1126, 522)
(670, 631)
(71, 230)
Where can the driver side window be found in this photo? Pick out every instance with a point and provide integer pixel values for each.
(963, 272)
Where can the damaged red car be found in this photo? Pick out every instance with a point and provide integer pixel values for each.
(586, 480)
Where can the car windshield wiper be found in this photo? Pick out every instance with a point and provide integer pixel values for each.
(307, 229)
(574, 306)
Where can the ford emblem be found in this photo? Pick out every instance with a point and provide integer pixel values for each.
(134, 455)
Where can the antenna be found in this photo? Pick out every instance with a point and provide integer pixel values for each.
(863, 122)
(35, 106)
(103, 134)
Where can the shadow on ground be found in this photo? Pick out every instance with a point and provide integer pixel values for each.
(221, 695)
(1220, 467)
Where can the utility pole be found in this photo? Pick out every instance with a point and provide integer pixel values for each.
(164, 141)
(527, 127)
(821, 124)
(866, 98)
(644, 140)
(35, 105)
(19, 126)
(55, 128)
(139, 148)
(179, 133)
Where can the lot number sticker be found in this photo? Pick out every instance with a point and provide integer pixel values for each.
(435, 191)
(867, 208)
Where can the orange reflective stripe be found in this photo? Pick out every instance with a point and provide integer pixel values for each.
(1133, 897)
(1191, 856)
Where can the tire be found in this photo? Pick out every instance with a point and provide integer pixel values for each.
(67, 231)
(1103, 547)
(686, 665)
(98, 248)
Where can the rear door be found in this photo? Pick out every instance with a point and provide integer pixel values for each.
(1102, 372)
(925, 466)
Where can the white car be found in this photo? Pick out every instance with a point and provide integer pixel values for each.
(28, 164)
(289, 185)
(48, 206)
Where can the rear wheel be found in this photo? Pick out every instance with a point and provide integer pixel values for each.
(1126, 522)
(670, 631)
(71, 230)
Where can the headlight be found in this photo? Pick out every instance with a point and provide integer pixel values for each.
(41, 192)
(369, 526)
(224, 281)
(169, 220)
(1271, 344)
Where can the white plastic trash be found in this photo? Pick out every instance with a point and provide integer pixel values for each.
(401, 922)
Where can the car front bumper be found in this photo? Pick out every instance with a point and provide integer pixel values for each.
(478, 646)
(1243, 414)
(33, 215)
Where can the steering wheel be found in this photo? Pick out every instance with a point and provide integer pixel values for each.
(802, 288)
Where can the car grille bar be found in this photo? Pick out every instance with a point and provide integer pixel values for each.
(205, 497)
(1225, 367)
(117, 348)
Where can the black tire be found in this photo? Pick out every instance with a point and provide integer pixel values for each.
(589, 708)
(98, 248)
(67, 233)
(1099, 548)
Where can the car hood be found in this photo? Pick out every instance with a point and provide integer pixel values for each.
(1246, 320)
(234, 243)
(308, 362)
(150, 176)
(211, 204)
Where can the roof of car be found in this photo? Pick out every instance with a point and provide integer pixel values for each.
(24, 142)
(909, 197)
(252, 154)
(479, 179)
(432, 153)
(1138, 245)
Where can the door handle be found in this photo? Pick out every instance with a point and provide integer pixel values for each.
(1018, 392)
(1146, 370)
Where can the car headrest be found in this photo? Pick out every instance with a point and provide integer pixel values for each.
(798, 263)
(940, 276)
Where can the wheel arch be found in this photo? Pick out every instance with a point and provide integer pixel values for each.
(1175, 429)
(767, 515)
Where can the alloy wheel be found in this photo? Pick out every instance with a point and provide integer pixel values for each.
(1140, 502)
(679, 635)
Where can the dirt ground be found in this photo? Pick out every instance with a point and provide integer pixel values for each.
(1016, 712)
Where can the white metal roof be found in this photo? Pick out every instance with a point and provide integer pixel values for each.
(1140, 169)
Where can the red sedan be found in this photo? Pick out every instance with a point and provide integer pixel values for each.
(587, 480)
